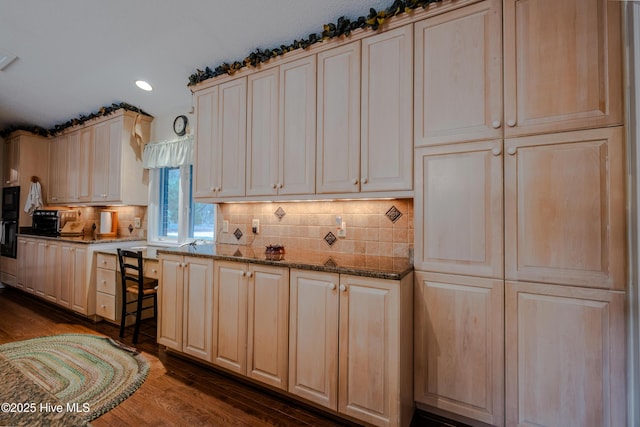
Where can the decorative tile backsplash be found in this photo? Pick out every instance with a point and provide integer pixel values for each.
(373, 227)
(126, 217)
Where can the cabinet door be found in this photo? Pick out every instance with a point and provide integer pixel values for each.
(338, 151)
(232, 137)
(563, 65)
(565, 208)
(458, 75)
(67, 275)
(262, 133)
(106, 160)
(297, 148)
(73, 171)
(459, 345)
(387, 103)
(23, 264)
(565, 356)
(51, 272)
(170, 301)
(84, 167)
(206, 155)
(82, 300)
(313, 337)
(369, 344)
(198, 307)
(459, 209)
(10, 162)
(39, 278)
(59, 169)
(268, 325)
(230, 316)
(29, 265)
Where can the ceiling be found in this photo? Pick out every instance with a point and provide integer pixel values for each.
(75, 56)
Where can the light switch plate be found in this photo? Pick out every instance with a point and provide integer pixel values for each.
(225, 226)
(136, 223)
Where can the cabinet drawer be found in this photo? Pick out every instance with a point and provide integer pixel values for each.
(106, 281)
(107, 261)
(152, 269)
(106, 305)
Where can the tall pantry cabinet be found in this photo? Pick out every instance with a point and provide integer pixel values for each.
(520, 213)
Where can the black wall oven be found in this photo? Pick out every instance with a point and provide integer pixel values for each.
(9, 221)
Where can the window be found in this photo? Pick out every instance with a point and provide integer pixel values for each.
(173, 216)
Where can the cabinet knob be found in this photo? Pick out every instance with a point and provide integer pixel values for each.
(243, 274)
(103, 306)
(279, 185)
(511, 123)
(364, 181)
(497, 149)
(275, 186)
(355, 182)
(332, 286)
(496, 124)
(511, 150)
(343, 288)
(249, 274)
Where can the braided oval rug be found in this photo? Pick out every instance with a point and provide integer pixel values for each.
(67, 379)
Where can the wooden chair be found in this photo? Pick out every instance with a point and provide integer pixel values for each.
(134, 282)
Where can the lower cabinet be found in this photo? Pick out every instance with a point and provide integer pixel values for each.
(565, 356)
(250, 320)
(459, 345)
(185, 304)
(350, 345)
(56, 271)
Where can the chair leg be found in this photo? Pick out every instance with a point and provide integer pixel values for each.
(136, 331)
(123, 315)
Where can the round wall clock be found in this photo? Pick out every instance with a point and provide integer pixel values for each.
(180, 125)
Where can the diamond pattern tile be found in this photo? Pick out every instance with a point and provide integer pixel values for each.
(393, 214)
(330, 238)
(280, 213)
(237, 233)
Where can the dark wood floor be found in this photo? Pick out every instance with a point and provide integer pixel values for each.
(177, 392)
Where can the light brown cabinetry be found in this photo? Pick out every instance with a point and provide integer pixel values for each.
(25, 155)
(185, 304)
(565, 356)
(562, 65)
(221, 140)
(58, 169)
(458, 75)
(118, 175)
(281, 129)
(346, 334)
(386, 111)
(338, 120)
(459, 345)
(565, 209)
(250, 320)
(459, 209)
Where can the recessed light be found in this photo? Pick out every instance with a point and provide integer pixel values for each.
(143, 85)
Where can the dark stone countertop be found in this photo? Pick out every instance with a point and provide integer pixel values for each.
(383, 267)
(86, 239)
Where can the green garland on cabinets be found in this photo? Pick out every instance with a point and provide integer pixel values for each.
(102, 112)
(343, 27)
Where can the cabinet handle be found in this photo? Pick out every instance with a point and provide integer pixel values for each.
(275, 186)
(103, 306)
(511, 123)
(364, 181)
(244, 273)
(355, 182)
(512, 150)
(249, 274)
(279, 185)
(332, 286)
(496, 124)
(497, 149)
(343, 288)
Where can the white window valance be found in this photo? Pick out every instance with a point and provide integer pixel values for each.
(168, 154)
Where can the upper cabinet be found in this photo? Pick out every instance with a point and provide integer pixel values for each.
(458, 75)
(338, 149)
(221, 140)
(386, 120)
(281, 129)
(101, 162)
(118, 176)
(563, 65)
(11, 159)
